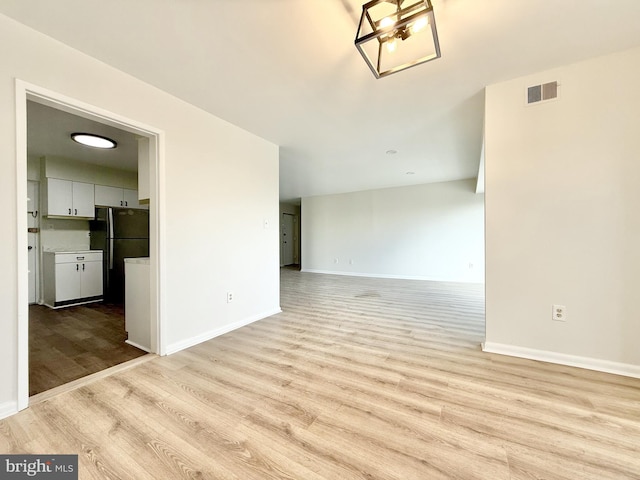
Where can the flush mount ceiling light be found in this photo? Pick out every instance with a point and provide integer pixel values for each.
(92, 140)
(394, 35)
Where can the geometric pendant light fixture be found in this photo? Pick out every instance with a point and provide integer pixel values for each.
(394, 35)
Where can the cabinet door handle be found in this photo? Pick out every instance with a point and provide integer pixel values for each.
(69, 211)
(126, 204)
(121, 203)
(83, 267)
(77, 267)
(76, 211)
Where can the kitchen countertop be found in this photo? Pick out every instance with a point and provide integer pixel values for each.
(140, 260)
(64, 250)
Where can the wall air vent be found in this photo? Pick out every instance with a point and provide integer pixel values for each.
(541, 93)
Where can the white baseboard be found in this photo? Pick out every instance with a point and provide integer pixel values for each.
(190, 342)
(383, 275)
(7, 409)
(625, 369)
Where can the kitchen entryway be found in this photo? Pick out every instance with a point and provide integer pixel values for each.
(80, 334)
(74, 326)
(73, 342)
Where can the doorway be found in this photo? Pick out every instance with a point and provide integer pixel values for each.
(288, 239)
(289, 235)
(150, 150)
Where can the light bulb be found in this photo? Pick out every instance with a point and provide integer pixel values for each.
(419, 24)
(391, 45)
(386, 22)
(92, 140)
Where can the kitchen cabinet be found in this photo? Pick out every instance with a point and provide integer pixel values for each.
(65, 198)
(131, 198)
(72, 278)
(108, 196)
(117, 197)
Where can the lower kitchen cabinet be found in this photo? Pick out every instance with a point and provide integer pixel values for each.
(72, 278)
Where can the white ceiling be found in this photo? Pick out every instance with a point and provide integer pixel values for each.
(49, 133)
(287, 70)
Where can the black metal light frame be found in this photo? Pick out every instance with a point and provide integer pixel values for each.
(406, 14)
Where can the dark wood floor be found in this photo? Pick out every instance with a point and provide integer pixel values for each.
(73, 342)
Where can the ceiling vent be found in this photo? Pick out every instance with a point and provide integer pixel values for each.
(541, 93)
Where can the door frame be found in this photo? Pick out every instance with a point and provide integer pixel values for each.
(156, 142)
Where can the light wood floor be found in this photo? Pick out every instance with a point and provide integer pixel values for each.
(70, 343)
(357, 379)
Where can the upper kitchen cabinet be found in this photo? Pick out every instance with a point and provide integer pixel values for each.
(117, 197)
(131, 198)
(65, 198)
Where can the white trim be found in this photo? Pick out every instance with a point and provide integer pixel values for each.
(203, 337)
(24, 91)
(626, 369)
(7, 409)
(138, 346)
(382, 275)
(22, 357)
(158, 297)
(81, 382)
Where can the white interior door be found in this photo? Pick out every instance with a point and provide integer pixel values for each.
(33, 222)
(287, 239)
(33, 279)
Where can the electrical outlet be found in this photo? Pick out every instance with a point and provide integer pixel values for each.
(229, 297)
(559, 313)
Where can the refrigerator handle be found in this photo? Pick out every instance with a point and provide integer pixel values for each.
(110, 222)
(110, 233)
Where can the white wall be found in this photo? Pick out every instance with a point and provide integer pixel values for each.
(563, 216)
(33, 168)
(220, 184)
(68, 169)
(429, 232)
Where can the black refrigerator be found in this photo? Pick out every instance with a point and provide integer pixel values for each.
(120, 233)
